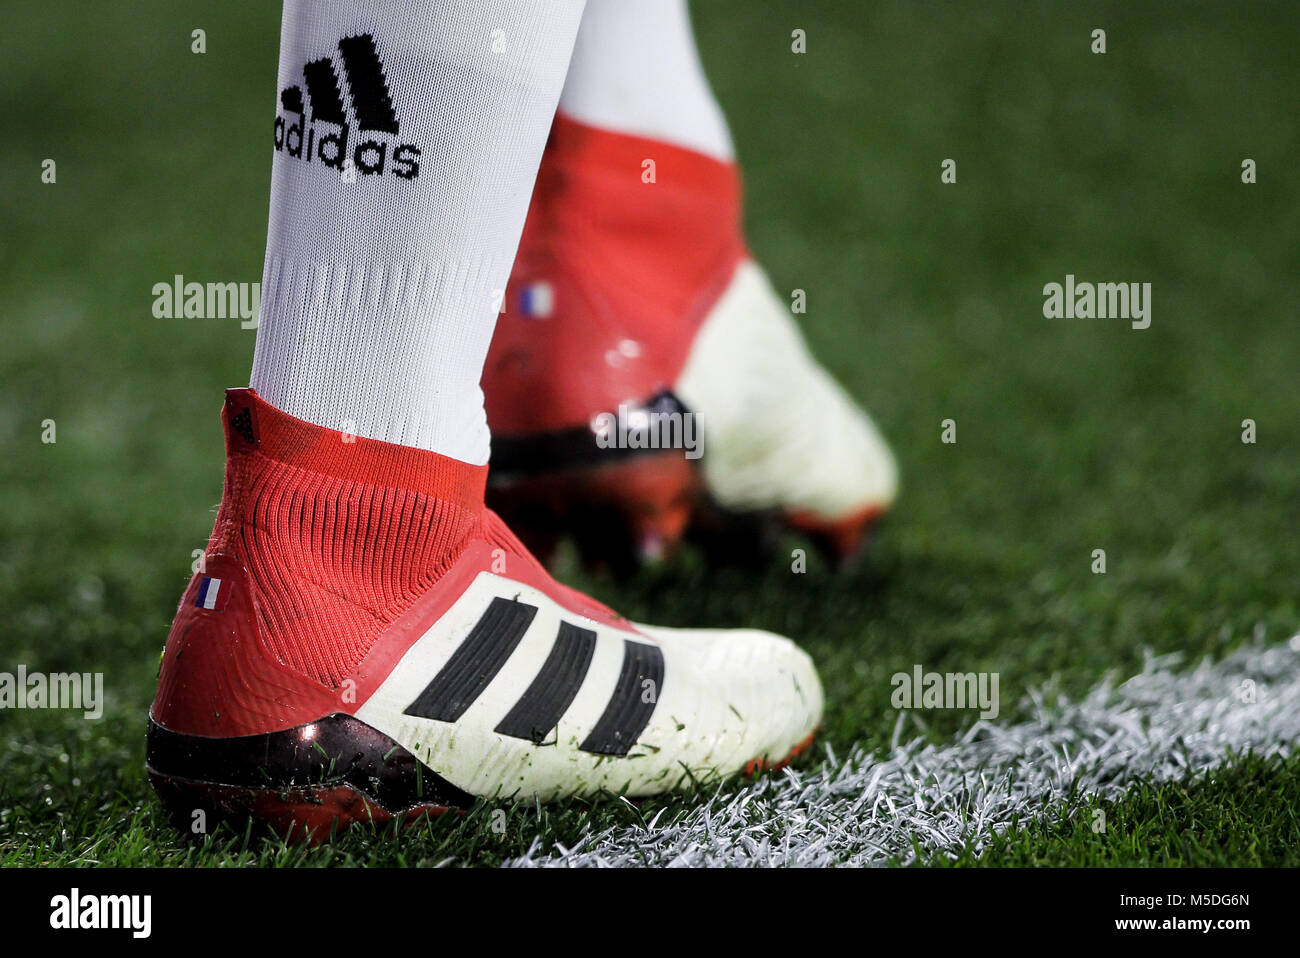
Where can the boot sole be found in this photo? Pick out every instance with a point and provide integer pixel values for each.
(308, 783)
(300, 783)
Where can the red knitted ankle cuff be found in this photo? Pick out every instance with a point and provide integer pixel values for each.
(252, 424)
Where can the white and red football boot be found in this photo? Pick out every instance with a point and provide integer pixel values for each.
(632, 287)
(367, 640)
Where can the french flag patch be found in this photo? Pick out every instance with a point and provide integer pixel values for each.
(213, 593)
(537, 300)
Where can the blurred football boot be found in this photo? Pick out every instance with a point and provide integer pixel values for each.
(633, 300)
(366, 640)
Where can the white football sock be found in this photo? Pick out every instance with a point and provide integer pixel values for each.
(385, 259)
(635, 70)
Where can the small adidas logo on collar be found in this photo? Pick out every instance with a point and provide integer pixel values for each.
(319, 128)
(241, 414)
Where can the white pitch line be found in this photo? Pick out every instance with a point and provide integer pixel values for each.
(1156, 726)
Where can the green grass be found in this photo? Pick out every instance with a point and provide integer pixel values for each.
(1241, 816)
(924, 298)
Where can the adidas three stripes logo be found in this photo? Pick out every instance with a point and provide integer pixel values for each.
(316, 127)
(484, 652)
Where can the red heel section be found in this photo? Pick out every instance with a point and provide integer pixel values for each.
(620, 515)
(623, 494)
(842, 541)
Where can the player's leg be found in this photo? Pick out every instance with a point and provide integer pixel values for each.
(632, 280)
(407, 141)
(636, 70)
(365, 638)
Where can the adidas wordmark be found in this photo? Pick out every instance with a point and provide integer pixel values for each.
(317, 128)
